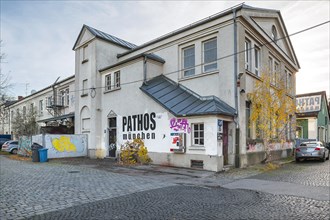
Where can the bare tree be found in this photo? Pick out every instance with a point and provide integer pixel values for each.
(4, 78)
(25, 124)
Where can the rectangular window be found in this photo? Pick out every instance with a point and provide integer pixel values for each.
(67, 93)
(85, 58)
(247, 52)
(247, 121)
(86, 124)
(210, 55)
(198, 134)
(62, 98)
(117, 79)
(41, 107)
(112, 81)
(84, 87)
(270, 67)
(24, 111)
(12, 115)
(276, 73)
(256, 61)
(108, 82)
(189, 61)
(288, 82)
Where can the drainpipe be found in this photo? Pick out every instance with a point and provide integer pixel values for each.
(144, 68)
(237, 150)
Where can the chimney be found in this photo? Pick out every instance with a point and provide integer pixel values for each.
(20, 97)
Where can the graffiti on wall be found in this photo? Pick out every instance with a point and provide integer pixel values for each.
(24, 147)
(254, 147)
(63, 143)
(180, 125)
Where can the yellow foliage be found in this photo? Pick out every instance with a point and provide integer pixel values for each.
(134, 152)
(273, 108)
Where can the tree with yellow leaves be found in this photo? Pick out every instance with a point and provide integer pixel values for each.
(272, 110)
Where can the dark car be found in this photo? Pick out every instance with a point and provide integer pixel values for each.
(2, 141)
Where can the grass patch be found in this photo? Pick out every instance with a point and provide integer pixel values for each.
(270, 166)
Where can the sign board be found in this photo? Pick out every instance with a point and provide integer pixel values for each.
(308, 103)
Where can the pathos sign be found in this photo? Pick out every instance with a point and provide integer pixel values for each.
(308, 103)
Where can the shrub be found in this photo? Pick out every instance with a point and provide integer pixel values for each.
(134, 152)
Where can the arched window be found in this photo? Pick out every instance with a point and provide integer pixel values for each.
(274, 34)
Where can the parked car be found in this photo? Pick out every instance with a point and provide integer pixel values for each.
(2, 141)
(312, 150)
(10, 146)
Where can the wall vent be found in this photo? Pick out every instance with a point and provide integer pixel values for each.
(197, 164)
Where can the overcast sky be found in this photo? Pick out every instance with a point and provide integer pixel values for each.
(38, 36)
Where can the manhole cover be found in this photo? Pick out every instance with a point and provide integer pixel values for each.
(74, 171)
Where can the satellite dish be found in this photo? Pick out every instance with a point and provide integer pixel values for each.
(33, 91)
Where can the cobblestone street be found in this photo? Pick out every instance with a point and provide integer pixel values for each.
(100, 189)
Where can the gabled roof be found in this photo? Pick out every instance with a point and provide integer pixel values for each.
(106, 37)
(181, 101)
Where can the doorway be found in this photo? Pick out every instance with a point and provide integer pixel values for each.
(112, 123)
(225, 143)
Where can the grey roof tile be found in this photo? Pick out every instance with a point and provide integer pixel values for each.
(181, 101)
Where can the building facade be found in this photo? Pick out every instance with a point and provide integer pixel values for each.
(313, 116)
(54, 108)
(186, 94)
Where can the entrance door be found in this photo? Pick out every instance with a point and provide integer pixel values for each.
(225, 143)
(112, 136)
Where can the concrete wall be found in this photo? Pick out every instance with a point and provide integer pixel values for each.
(63, 145)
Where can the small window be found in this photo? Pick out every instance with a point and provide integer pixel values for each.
(289, 85)
(210, 55)
(112, 81)
(85, 55)
(274, 34)
(117, 79)
(247, 50)
(108, 82)
(84, 87)
(189, 61)
(24, 111)
(41, 106)
(62, 98)
(67, 93)
(276, 73)
(198, 134)
(256, 60)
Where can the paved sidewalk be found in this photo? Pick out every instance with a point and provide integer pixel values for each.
(28, 189)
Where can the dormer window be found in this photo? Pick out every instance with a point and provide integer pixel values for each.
(274, 34)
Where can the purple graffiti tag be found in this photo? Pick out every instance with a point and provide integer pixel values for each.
(180, 125)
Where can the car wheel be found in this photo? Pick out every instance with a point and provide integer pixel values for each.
(328, 156)
(14, 151)
(323, 158)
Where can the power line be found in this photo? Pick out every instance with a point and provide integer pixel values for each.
(223, 57)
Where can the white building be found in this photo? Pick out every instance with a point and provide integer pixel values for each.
(184, 93)
(54, 107)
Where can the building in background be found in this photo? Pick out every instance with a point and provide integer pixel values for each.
(313, 116)
(185, 93)
(53, 105)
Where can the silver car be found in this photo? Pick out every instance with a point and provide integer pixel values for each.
(312, 150)
(10, 146)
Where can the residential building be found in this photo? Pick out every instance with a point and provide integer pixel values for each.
(54, 107)
(313, 116)
(185, 93)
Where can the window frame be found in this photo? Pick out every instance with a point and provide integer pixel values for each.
(247, 54)
(84, 87)
(215, 61)
(257, 60)
(112, 81)
(189, 68)
(200, 139)
(84, 54)
(41, 107)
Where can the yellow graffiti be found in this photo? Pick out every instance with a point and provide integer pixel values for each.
(63, 144)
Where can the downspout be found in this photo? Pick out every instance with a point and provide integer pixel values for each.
(144, 69)
(236, 119)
